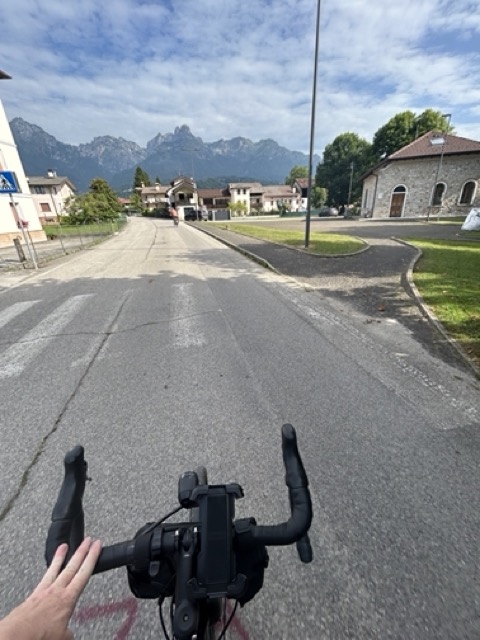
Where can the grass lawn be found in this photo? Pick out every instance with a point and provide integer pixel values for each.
(94, 228)
(448, 278)
(320, 243)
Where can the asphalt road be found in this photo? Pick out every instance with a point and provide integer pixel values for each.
(162, 349)
(368, 284)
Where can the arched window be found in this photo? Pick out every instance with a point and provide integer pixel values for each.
(438, 194)
(468, 192)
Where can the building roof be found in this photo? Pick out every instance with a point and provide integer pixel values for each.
(278, 191)
(156, 189)
(257, 186)
(181, 181)
(47, 181)
(213, 193)
(430, 144)
(303, 182)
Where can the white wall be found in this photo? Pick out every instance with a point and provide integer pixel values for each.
(10, 161)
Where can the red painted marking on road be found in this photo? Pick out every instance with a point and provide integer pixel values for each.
(129, 605)
(236, 624)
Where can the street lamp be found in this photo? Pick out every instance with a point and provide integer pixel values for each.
(442, 140)
(312, 131)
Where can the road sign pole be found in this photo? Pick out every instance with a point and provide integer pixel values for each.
(19, 222)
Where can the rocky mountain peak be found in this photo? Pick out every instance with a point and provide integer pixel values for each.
(166, 155)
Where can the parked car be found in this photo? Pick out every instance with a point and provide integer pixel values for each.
(327, 211)
(189, 213)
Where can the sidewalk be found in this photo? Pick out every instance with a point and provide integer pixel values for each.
(45, 252)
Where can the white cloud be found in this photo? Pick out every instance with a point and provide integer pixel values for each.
(134, 68)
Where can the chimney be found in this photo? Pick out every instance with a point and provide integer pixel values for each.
(51, 173)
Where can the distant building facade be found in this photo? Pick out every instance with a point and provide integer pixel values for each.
(255, 197)
(437, 174)
(182, 192)
(154, 198)
(301, 187)
(51, 194)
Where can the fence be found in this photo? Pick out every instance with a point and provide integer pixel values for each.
(62, 240)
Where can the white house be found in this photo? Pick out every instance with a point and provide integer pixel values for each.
(16, 209)
(249, 194)
(276, 196)
(50, 194)
(183, 194)
(154, 197)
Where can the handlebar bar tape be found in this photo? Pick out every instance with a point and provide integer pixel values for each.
(300, 502)
(116, 555)
(67, 517)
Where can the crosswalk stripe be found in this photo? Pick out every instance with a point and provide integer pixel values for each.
(16, 357)
(7, 315)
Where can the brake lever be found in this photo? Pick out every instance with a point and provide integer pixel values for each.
(304, 549)
(68, 523)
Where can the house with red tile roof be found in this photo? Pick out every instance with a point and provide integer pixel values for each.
(436, 174)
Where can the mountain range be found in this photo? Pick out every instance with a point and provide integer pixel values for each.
(165, 156)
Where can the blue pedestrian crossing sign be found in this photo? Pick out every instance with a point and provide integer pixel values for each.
(8, 183)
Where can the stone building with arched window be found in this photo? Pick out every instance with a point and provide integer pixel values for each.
(437, 174)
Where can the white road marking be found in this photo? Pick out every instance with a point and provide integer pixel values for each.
(14, 360)
(15, 310)
(185, 325)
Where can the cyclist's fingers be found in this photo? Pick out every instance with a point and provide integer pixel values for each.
(82, 576)
(55, 567)
(74, 564)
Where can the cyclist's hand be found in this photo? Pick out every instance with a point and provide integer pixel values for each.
(45, 614)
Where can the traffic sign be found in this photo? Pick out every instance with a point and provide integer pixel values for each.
(8, 183)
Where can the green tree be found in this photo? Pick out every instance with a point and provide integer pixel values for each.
(100, 203)
(237, 208)
(136, 201)
(345, 159)
(399, 131)
(404, 128)
(319, 196)
(431, 120)
(102, 191)
(140, 178)
(296, 172)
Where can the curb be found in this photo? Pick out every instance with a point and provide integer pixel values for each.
(428, 313)
(366, 247)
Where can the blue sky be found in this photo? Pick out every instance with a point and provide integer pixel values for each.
(227, 68)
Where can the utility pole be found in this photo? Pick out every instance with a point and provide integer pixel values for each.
(312, 132)
(351, 183)
(448, 117)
